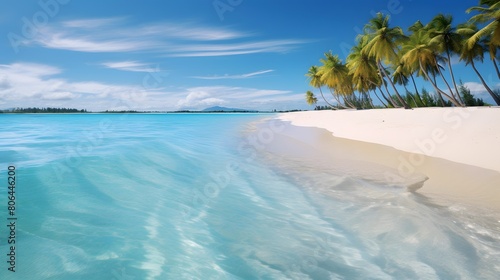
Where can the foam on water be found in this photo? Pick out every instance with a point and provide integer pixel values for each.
(186, 197)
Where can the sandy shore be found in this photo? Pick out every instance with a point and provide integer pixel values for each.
(456, 148)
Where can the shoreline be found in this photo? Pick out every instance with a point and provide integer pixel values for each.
(334, 138)
(465, 135)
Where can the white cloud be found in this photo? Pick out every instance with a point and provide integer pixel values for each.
(133, 66)
(190, 32)
(455, 60)
(59, 96)
(199, 50)
(169, 39)
(479, 89)
(242, 76)
(65, 41)
(198, 98)
(38, 85)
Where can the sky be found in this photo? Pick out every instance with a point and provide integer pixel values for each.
(157, 55)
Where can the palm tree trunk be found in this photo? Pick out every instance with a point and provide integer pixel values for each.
(408, 93)
(331, 106)
(494, 95)
(338, 100)
(370, 100)
(496, 66)
(416, 90)
(453, 77)
(381, 68)
(436, 88)
(365, 103)
(375, 91)
(389, 100)
(448, 85)
(438, 91)
(348, 101)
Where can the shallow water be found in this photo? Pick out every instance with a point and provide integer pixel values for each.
(191, 197)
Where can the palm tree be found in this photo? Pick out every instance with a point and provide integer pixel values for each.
(422, 33)
(383, 41)
(310, 98)
(364, 70)
(489, 13)
(334, 74)
(315, 81)
(417, 52)
(400, 76)
(474, 52)
(446, 40)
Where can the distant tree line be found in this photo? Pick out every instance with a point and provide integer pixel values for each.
(44, 110)
(424, 99)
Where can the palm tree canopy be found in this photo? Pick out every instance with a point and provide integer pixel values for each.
(489, 12)
(472, 52)
(418, 25)
(383, 40)
(443, 35)
(333, 72)
(314, 77)
(363, 68)
(310, 98)
(400, 73)
(417, 50)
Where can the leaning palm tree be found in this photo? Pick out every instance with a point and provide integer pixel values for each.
(364, 70)
(315, 81)
(446, 40)
(335, 75)
(400, 76)
(489, 13)
(310, 98)
(474, 52)
(417, 52)
(383, 42)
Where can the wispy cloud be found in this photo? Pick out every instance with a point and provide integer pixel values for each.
(242, 76)
(133, 66)
(271, 46)
(169, 39)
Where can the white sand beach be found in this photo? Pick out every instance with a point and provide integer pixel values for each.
(456, 148)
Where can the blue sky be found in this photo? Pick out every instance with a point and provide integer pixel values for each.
(172, 55)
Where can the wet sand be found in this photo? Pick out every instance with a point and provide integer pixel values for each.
(447, 182)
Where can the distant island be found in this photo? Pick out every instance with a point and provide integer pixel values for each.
(48, 110)
(217, 109)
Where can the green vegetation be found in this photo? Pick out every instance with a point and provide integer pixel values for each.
(468, 98)
(386, 56)
(44, 110)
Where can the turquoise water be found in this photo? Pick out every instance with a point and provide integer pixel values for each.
(191, 197)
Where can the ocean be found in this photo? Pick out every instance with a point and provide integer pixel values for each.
(196, 196)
